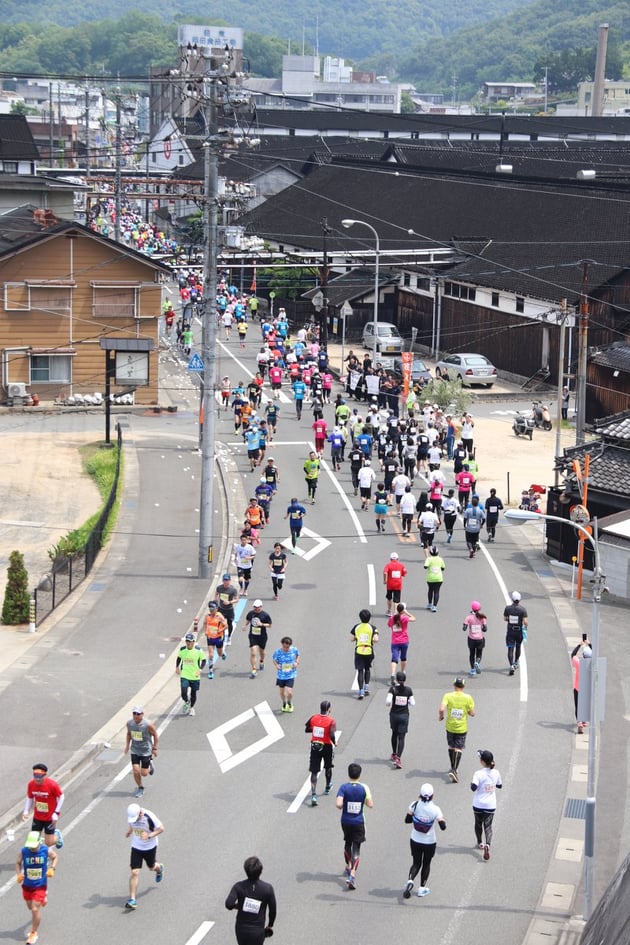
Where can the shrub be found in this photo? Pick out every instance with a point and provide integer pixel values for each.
(15, 608)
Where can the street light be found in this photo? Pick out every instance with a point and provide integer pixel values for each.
(347, 224)
(519, 517)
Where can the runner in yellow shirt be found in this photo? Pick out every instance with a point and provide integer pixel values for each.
(456, 706)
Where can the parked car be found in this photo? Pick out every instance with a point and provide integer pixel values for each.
(468, 367)
(419, 370)
(388, 341)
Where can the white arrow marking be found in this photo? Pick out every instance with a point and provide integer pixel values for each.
(304, 790)
(371, 585)
(320, 544)
(219, 743)
(200, 934)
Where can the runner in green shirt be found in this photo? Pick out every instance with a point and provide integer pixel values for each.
(188, 666)
(455, 708)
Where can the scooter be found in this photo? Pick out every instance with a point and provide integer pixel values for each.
(523, 425)
(541, 415)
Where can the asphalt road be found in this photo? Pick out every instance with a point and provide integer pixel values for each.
(241, 790)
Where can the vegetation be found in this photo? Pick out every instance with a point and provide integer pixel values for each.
(288, 283)
(448, 395)
(100, 465)
(16, 596)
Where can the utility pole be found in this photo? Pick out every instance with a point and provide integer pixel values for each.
(117, 170)
(580, 393)
(87, 128)
(323, 333)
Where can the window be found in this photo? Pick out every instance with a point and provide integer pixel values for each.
(10, 167)
(495, 300)
(51, 369)
(520, 303)
(407, 278)
(54, 299)
(424, 283)
(114, 301)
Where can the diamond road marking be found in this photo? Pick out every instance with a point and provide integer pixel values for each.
(320, 544)
(226, 758)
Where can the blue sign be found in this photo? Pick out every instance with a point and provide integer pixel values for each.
(196, 364)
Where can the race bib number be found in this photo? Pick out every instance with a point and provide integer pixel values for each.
(513, 620)
(401, 701)
(396, 574)
(318, 731)
(136, 736)
(251, 905)
(353, 807)
(364, 638)
(34, 872)
(457, 714)
(41, 807)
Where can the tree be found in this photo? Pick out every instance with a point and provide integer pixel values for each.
(15, 608)
(406, 104)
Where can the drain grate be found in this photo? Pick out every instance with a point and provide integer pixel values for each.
(575, 808)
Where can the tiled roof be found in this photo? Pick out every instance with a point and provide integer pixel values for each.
(353, 285)
(615, 427)
(536, 237)
(615, 356)
(609, 469)
(16, 139)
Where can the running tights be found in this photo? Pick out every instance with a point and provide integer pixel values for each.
(421, 854)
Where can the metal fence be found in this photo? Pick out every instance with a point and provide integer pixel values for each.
(67, 572)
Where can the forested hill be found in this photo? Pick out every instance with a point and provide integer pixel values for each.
(509, 47)
(379, 30)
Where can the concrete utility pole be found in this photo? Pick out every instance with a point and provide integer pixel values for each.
(118, 168)
(600, 72)
(580, 392)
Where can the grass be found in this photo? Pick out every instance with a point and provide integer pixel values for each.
(100, 465)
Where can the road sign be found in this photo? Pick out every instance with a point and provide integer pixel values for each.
(346, 309)
(196, 364)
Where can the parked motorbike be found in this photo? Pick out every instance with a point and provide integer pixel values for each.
(541, 415)
(523, 425)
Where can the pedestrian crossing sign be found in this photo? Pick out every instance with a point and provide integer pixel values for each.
(195, 363)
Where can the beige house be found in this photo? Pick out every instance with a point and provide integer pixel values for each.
(63, 288)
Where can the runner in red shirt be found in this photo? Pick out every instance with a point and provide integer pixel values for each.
(44, 799)
(321, 432)
(393, 574)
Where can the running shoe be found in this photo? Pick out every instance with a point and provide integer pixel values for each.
(366, 691)
(261, 667)
(328, 788)
(186, 708)
(397, 762)
(433, 608)
(423, 891)
(59, 840)
(407, 889)
(139, 792)
(284, 708)
(472, 672)
(290, 707)
(453, 776)
(31, 938)
(192, 711)
(478, 667)
(151, 769)
(429, 606)
(223, 656)
(481, 845)
(392, 756)
(313, 800)
(131, 904)
(210, 675)
(511, 673)
(228, 641)
(275, 597)
(486, 852)
(253, 674)
(361, 693)
(516, 665)
(351, 881)
(159, 873)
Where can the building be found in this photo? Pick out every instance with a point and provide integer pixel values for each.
(616, 99)
(63, 288)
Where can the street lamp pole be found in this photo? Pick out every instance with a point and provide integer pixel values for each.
(347, 224)
(519, 516)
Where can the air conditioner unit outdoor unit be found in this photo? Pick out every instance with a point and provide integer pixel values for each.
(16, 390)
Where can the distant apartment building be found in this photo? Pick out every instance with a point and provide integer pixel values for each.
(506, 91)
(616, 98)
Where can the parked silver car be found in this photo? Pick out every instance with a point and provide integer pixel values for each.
(468, 367)
(388, 341)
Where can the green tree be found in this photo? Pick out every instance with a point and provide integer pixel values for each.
(264, 54)
(16, 597)
(406, 105)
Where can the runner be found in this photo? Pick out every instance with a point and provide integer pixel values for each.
(393, 574)
(323, 731)
(493, 506)
(380, 506)
(336, 441)
(188, 666)
(257, 622)
(295, 513)
(485, 783)
(254, 517)
(474, 518)
(311, 474)
(364, 635)
(271, 474)
(428, 523)
(423, 814)
(515, 616)
(286, 660)
(366, 476)
(253, 899)
(355, 458)
(244, 554)
(449, 510)
(398, 624)
(34, 866)
(476, 623)
(277, 567)
(407, 506)
(434, 567)
(455, 707)
(215, 627)
(398, 700)
(143, 737)
(264, 494)
(227, 595)
(352, 798)
(144, 829)
(44, 799)
(299, 392)
(226, 388)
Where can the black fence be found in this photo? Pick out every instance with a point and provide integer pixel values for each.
(67, 572)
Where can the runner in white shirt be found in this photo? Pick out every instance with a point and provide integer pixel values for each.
(366, 477)
(407, 508)
(423, 814)
(485, 783)
(399, 484)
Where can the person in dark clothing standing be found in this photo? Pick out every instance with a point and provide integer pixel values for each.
(255, 902)
(398, 700)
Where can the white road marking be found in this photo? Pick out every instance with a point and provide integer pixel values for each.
(320, 544)
(371, 585)
(200, 934)
(219, 743)
(346, 501)
(283, 397)
(304, 791)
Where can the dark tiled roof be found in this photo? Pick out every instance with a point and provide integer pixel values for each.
(16, 139)
(615, 356)
(609, 469)
(538, 236)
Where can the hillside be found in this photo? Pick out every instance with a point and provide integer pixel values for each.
(355, 29)
(510, 46)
